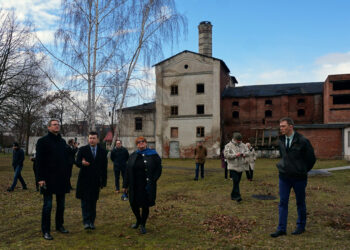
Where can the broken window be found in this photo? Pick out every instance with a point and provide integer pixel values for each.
(268, 113)
(174, 110)
(341, 85)
(174, 90)
(301, 112)
(268, 102)
(341, 99)
(235, 114)
(138, 123)
(301, 100)
(200, 131)
(200, 88)
(200, 109)
(235, 103)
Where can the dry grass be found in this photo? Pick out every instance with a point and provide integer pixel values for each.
(188, 214)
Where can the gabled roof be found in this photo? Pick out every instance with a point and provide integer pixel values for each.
(187, 51)
(144, 107)
(274, 90)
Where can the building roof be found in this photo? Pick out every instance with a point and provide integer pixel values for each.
(274, 90)
(187, 51)
(316, 126)
(143, 107)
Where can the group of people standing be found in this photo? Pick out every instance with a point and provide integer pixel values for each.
(54, 160)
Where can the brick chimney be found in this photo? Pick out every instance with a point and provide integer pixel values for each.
(205, 38)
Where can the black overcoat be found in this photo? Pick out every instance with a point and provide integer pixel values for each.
(153, 164)
(52, 163)
(93, 177)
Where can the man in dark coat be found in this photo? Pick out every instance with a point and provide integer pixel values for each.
(142, 173)
(53, 176)
(92, 161)
(119, 156)
(297, 159)
(17, 164)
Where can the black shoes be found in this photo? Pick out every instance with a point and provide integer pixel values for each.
(134, 226)
(86, 226)
(195, 179)
(25, 188)
(92, 226)
(47, 236)
(298, 231)
(9, 190)
(61, 229)
(278, 234)
(143, 229)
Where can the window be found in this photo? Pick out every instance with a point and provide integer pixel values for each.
(301, 112)
(200, 88)
(200, 109)
(268, 102)
(301, 100)
(200, 132)
(235, 103)
(186, 66)
(174, 132)
(235, 114)
(341, 85)
(174, 90)
(341, 99)
(138, 123)
(268, 113)
(174, 110)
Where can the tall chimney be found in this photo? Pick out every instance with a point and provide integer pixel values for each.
(205, 38)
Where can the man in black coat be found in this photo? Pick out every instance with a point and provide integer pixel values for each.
(92, 161)
(297, 159)
(17, 164)
(53, 176)
(119, 157)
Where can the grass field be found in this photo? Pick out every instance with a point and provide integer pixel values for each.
(188, 214)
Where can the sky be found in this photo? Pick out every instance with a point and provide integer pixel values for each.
(261, 41)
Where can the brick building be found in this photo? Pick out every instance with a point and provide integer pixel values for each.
(320, 110)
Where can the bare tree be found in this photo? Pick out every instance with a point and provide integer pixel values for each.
(99, 39)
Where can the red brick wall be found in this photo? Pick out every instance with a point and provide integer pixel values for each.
(327, 143)
(338, 113)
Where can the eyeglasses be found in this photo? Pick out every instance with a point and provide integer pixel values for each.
(140, 142)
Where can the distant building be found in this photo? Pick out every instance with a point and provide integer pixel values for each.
(198, 100)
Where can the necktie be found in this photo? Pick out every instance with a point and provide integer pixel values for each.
(94, 152)
(287, 146)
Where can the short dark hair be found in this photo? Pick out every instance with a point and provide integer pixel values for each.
(93, 133)
(118, 140)
(16, 144)
(288, 120)
(51, 120)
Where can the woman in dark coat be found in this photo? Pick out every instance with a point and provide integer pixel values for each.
(143, 170)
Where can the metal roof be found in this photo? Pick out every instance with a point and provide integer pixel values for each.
(143, 107)
(274, 90)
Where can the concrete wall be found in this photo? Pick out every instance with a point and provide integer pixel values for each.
(186, 70)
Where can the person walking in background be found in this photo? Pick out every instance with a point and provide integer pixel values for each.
(53, 176)
(200, 153)
(235, 153)
(72, 150)
(251, 158)
(92, 161)
(297, 159)
(119, 157)
(17, 164)
(142, 173)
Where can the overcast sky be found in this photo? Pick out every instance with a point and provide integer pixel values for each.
(261, 41)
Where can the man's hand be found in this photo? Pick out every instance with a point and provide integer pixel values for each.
(41, 183)
(85, 163)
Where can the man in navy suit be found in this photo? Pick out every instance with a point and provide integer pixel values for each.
(92, 161)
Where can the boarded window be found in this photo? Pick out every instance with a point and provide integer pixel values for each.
(200, 109)
(235, 104)
(174, 110)
(268, 113)
(174, 90)
(235, 114)
(138, 123)
(268, 102)
(174, 132)
(200, 88)
(200, 131)
(341, 99)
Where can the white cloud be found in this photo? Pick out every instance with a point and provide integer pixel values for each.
(331, 64)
